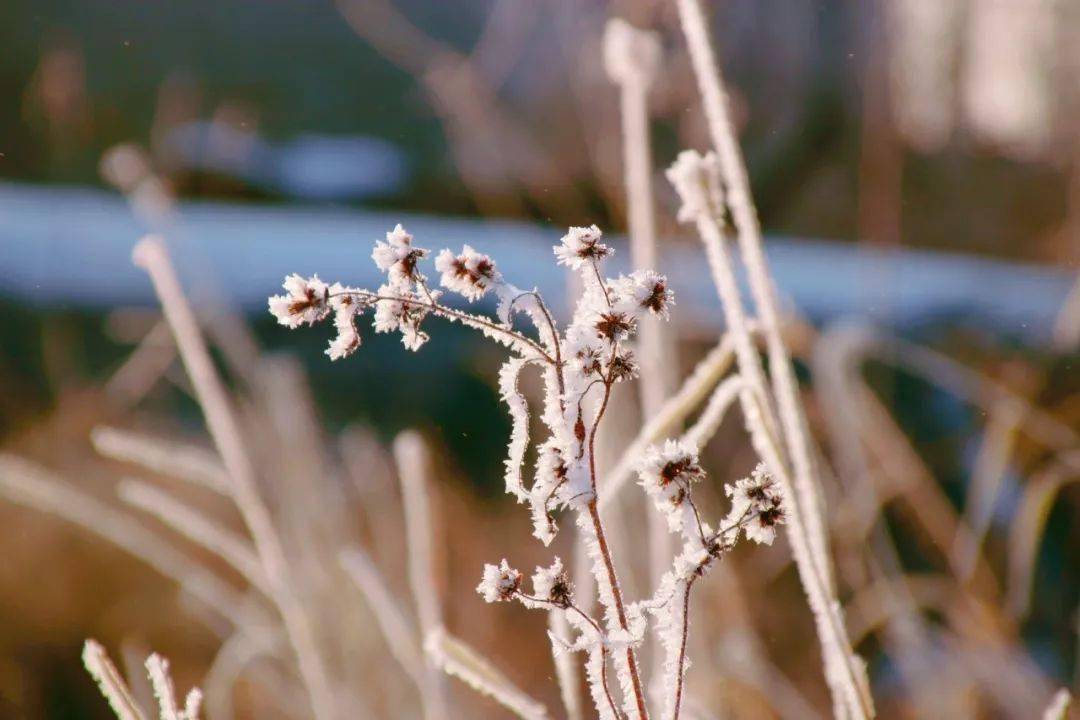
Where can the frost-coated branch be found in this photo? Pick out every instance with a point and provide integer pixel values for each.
(843, 671)
(668, 474)
(697, 179)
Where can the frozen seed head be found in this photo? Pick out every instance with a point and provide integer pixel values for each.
(622, 366)
(696, 179)
(500, 582)
(346, 304)
(643, 291)
(471, 273)
(403, 310)
(305, 301)
(756, 506)
(397, 257)
(347, 340)
(552, 585)
(667, 472)
(581, 245)
(613, 325)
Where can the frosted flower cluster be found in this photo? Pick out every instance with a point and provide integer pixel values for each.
(756, 506)
(397, 257)
(580, 366)
(471, 273)
(668, 473)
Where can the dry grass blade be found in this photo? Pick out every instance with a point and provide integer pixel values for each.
(987, 477)
(110, 681)
(632, 58)
(198, 528)
(158, 455)
(1058, 709)
(27, 484)
(1026, 531)
(401, 637)
(844, 672)
(459, 660)
(414, 466)
(724, 396)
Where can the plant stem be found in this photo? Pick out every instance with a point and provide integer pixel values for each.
(682, 649)
(464, 317)
(605, 552)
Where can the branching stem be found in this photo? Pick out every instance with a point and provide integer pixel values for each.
(466, 318)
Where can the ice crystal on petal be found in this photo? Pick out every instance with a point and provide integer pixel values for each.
(621, 366)
(613, 325)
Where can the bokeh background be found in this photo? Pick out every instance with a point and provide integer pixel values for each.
(916, 165)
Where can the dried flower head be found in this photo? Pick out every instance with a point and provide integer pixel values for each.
(667, 473)
(471, 273)
(304, 301)
(613, 325)
(643, 291)
(696, 179)
(552, 585)
(500, 582)
(621, 366)
(397, 257)
(756, 506)
(581, 245)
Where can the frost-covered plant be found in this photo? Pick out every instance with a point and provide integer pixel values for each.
(581, 366)
(122, 701)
